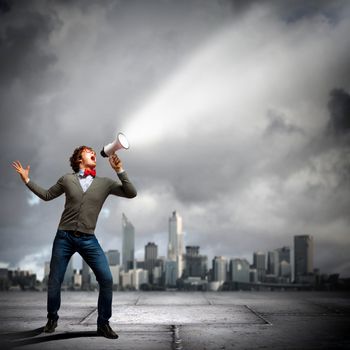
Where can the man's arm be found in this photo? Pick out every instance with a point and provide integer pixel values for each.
(126, 189)
(47, 195)
(53, 192)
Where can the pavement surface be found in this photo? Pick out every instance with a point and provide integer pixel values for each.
(181, 321)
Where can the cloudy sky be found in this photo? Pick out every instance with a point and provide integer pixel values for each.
(238, 115)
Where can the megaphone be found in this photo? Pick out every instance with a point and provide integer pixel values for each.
(119, 143)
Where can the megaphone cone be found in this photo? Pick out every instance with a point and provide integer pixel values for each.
(121, 142)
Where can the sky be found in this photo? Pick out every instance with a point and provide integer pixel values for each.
(237, 114)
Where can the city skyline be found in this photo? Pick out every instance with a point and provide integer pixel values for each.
(225, 273)
(283, 267)
(263, 261)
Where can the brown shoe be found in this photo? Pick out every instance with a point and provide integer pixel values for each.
(106, 331)
(50, 326)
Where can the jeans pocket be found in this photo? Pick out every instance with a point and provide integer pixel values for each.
(61, 234)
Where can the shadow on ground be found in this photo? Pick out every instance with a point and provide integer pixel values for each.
(11, 340)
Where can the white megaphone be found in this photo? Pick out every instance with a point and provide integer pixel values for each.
(120, 142)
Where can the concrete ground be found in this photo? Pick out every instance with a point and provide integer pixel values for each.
(178, 320)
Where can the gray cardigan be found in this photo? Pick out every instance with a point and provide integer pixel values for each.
(81, 209)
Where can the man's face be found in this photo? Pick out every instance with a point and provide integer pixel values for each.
(88, 159)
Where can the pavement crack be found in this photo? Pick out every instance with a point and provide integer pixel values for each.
(257, 314)
(207, 300)
(88, 315)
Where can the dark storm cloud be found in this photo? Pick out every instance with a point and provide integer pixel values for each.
(25, 61)
(339, 108)
(25, 71)
(5, 6)
(23, 37)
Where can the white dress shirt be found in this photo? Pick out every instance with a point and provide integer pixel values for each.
(85, 182)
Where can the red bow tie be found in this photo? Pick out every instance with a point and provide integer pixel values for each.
(91, 172)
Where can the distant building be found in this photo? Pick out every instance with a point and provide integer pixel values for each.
(113, 257)
(88, 277)
(157, 275)
(273, 263)
(4, 279)
(151, 256)
(128, 251)
(77, 279)
(284, 254)
(195, 265)
(303, 257)
(176, 242)
(139, 264)
(151, 251)
(115, 271)
(219, 269)
(22, 279)
(125, 279)
(285, 267)
(259, 263)
(138, 277)
(253, 275)
(159, 272)
(285, 272)
(170, 273)
(239, 270)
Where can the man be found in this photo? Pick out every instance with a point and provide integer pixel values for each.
(85, 194)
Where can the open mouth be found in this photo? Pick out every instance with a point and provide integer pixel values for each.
(93, 158)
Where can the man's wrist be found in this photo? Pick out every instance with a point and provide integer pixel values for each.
(27, 180)
(119, 171)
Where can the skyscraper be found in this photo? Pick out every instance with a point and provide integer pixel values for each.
(195, 265)
(284, 269)
(259, 263)
(273, 263)
(151, 251)
(128, 249)
(115, 271)
(303, 256)
(284, 254)
(113, 257)
(151, 255)
(239, 270)
(176, 242)
(219, 269)
(170, 273)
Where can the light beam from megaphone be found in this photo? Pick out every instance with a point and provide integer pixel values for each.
(210, 86)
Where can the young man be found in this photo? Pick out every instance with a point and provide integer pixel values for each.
(85, 194)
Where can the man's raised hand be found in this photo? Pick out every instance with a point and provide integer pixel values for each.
(24, 173)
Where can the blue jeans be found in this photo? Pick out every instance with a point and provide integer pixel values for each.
(64, 246)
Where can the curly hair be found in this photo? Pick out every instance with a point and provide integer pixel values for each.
(76, 157)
